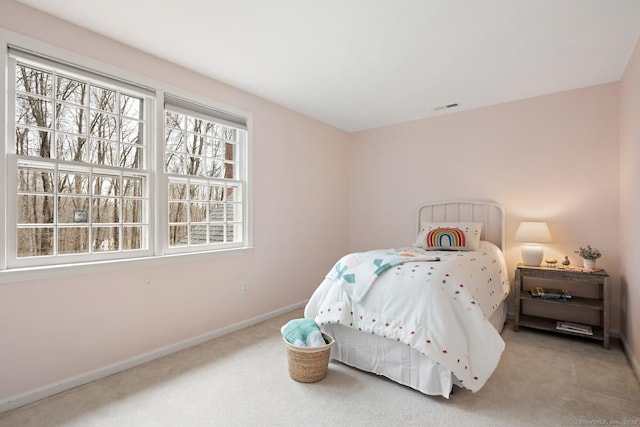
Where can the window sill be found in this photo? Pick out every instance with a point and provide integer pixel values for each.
(48, 272)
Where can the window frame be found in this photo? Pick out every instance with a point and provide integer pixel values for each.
(194, 110)
(55, 164)
(158, 252)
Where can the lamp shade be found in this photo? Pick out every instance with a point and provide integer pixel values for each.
(533, 232)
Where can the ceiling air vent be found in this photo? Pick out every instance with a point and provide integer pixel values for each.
(444, 107)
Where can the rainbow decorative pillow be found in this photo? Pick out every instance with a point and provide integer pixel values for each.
(452, 236)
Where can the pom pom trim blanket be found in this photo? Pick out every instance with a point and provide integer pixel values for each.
(439, 308)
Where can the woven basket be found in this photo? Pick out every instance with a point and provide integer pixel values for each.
(309, 364)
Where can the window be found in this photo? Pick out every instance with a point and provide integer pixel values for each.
(205, 189)
(84, 180)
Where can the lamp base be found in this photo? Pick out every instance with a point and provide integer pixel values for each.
(532, 255)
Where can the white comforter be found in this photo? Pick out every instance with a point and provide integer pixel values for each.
(438, 307)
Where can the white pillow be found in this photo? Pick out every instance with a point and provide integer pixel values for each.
(452, 236)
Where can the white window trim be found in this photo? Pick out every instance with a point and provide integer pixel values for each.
(158, 217)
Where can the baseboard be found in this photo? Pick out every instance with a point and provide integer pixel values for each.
(31, 396)
(630, 357)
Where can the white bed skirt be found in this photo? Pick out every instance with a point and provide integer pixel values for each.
(395, 360)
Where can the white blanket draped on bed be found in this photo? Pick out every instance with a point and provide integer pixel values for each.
(356, 272)
(438, 307)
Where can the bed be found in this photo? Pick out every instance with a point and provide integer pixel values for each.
(428, 315)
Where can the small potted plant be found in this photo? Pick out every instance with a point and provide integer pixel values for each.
(589, 256)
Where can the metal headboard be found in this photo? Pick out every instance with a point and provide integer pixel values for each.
(490, 214)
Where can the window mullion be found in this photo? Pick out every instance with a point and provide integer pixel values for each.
(7, 129)
(160, 180)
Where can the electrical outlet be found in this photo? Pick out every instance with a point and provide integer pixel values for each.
(244, 288)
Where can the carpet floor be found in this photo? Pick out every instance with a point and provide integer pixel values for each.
(241, 379)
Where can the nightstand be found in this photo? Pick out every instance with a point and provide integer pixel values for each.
(599, 304)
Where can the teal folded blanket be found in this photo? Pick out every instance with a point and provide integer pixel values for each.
(303, 333)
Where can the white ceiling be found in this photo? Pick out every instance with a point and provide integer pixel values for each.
(360, 64)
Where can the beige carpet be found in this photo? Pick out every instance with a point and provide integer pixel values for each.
(242, 380)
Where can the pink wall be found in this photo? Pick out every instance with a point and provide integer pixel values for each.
(55, 329)
(552, 158)
(630, 204)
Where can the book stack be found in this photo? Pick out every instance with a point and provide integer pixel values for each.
(550, 294)
(574, 327)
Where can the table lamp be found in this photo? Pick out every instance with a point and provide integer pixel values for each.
(533, 233)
